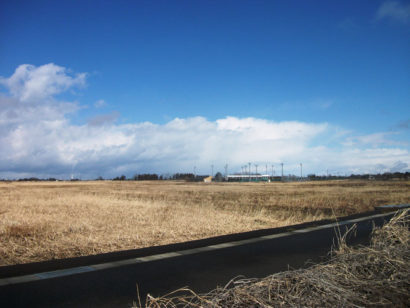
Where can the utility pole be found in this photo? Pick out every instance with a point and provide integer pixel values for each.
(72, 172)
(273, 171)
(194, 172)
(256, 169)
(300, 170)
(212, 168)
(249, 171)
(282, 170)
(266, 169)
(226, 171)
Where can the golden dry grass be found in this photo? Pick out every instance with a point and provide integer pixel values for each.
(44, 220)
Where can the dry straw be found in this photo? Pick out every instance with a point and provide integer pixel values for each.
(368, 276)
(53, 220)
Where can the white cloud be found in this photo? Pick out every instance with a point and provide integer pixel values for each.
(394, 10)
(31, 84)
(37, 138)
(259, 129)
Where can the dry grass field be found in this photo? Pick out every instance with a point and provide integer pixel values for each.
(49, 220)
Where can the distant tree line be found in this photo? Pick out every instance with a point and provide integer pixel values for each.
(381, 176)
(190, 177)
(147, 177)
(34, 179)
(183, 176)
(120, 178)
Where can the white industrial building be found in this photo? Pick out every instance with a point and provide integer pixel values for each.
(249, 177)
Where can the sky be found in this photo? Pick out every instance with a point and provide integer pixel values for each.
(105, 88)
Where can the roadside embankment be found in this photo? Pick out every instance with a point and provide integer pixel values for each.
(377, 275)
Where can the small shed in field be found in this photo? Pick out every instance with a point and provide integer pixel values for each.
(208, 179)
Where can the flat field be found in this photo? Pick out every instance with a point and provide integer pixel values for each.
(50, 220)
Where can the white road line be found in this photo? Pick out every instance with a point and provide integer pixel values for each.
(272, 236)
(65, 272)
(158, 257)
(96, 267)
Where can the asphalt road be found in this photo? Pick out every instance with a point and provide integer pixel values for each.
(116, 286)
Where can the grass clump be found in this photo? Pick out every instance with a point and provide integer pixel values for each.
(377, 275)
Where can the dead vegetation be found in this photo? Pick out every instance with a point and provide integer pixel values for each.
(373, 276)
(52, 220)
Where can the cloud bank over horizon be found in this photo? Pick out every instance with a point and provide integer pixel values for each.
(38, 138)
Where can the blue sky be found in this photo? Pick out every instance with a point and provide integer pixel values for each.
(320, 82)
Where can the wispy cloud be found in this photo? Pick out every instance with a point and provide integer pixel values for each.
(404, 124)
(394, 10)
(375, 139)
(323, 104)
(100, 103)
(399, 167)
(38, 138)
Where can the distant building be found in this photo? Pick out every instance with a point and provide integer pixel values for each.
(248, 178)
(208, 179)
